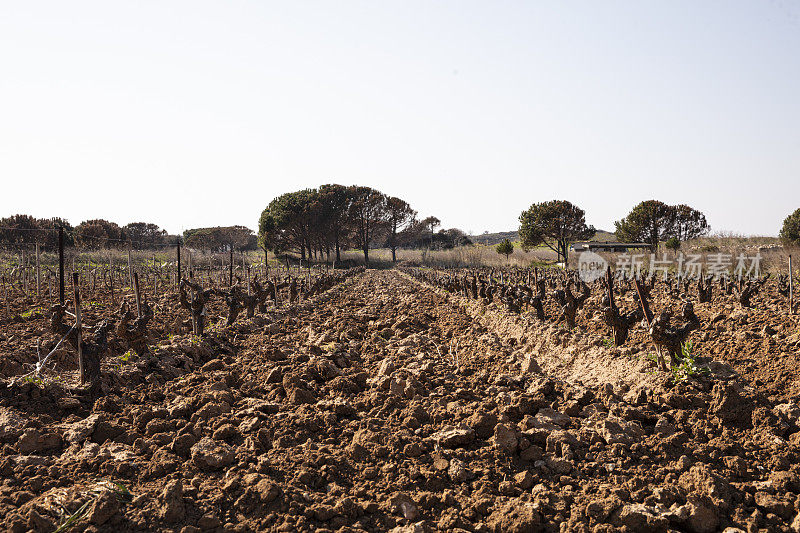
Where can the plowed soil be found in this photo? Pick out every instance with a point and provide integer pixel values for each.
(387, 404)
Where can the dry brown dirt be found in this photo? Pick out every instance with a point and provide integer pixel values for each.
(387, 404)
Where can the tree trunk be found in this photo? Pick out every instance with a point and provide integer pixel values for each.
(394, 256)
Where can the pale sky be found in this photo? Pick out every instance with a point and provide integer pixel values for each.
(199, 113)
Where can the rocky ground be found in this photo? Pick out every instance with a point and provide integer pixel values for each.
(387, 404)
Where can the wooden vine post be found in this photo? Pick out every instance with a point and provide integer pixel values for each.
(61, 265)
(191, 306)
(230, 281)
(77, 291)
(38, 273)
(5, 295)
(178, 250)
(111, 276)
(24, 273)
(791, 287)
(130, 268)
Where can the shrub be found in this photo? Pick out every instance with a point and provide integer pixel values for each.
(790, 233)
(673, 243)
(505, 248)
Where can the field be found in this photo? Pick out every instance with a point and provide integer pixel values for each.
(410, 399)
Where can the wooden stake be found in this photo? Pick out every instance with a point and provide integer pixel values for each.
(61, 265)
(77, 291)
(38, 273)
(130, 268)
(791, 287)
(24, 273)
(137, 293)
(5, 295)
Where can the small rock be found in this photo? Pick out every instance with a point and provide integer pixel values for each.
(529, 365)
(639, 517)
(702, 519)
(404, 505)
(275, 375)
(172, 508)
(182, 444)
(32, 440)
(516, 517)
(458, 471)
(267, 490)
(440, 463)
(524, 480)
(209, 454)
(505, 439)
(213, 365)
(547, 417)
(413, 450)
(454, 437)
(11, 424)
(103, 509)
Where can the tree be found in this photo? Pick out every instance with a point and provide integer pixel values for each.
(505, 248)
(51, 237)
(450, 238)
(417, 235)
(432, 223)
(368, 214)
(220, 238)
(673, 243)
(689, 223)
(399, 215)
(266, 230)
(98, 234)
(144, 235)
(316, 221)
(25, 229)
(555, 224)
(790, 232)
(650, 221)
(19, 229)
(335, 200)
(293, 218)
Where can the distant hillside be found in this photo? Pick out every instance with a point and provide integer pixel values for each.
(513, 236)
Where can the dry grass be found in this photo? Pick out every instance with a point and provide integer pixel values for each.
(476, 256)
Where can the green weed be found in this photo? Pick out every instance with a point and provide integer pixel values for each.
(30, 312)
(687, 367)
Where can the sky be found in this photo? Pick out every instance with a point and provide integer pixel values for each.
(197, 113)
